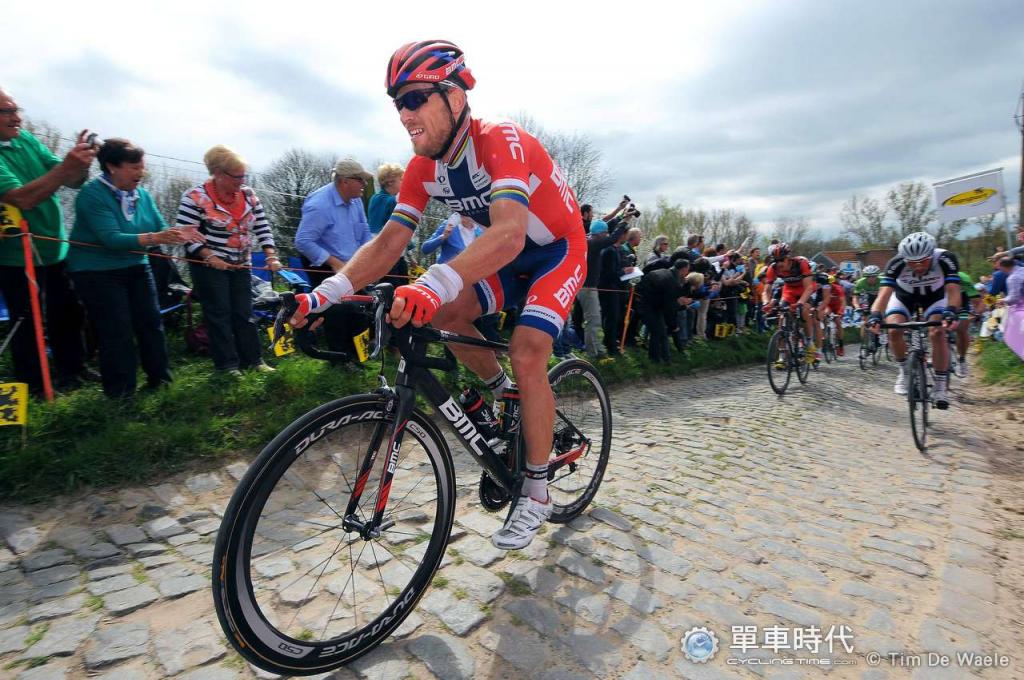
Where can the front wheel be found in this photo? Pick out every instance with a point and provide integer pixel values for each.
(296, 592)
(582, 437)
(779, 363)
(918, 399)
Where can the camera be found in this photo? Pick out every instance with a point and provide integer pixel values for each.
(93, 140)
(626, 199)
(632, 210)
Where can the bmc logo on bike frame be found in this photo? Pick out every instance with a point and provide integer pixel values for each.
(464, 426)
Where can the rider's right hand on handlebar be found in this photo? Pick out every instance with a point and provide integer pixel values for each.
(415, 302)
(875, 323)
(308, 303)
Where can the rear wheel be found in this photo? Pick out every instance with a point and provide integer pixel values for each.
(779, 363)
(801, 361)
(582, 437)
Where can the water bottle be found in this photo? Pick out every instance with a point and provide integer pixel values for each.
(479, 412)
(510, 413)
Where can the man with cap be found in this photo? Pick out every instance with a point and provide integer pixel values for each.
(332, 228)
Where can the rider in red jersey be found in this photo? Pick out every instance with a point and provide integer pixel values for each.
(533, 247)
(797, 287)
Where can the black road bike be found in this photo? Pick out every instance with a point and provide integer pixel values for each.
(338, 527)
(919, 378)
(787, 350)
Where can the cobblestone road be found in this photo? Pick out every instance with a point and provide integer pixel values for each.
(723, 506)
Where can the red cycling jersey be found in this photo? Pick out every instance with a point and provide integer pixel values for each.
(491, 162)
(792, 277)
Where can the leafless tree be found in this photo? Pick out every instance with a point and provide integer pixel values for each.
(911, 203)
(46, 133)
(863, 219)
(285, 185)
(576, 154)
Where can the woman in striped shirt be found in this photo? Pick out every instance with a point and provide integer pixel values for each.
(231, 217)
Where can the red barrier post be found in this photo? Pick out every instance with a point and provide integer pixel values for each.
(37, 314)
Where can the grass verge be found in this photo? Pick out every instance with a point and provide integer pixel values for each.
(204, 418)
(1001, 366)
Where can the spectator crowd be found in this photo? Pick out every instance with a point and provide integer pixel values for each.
(102, 277)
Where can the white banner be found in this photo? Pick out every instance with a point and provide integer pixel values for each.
(970, 196)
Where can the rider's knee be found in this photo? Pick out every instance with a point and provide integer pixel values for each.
(529, 352)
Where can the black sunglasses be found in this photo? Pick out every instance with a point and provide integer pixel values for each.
(414, 99)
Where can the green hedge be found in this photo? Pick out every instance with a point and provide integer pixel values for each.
(205, 418)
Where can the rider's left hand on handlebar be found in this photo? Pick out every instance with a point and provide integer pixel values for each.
(308, 303)
(415, 302)
(949, 320)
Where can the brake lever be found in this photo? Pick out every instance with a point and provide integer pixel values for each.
(288, 307)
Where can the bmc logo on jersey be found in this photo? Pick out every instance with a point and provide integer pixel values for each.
(563, 186)
(512, 137)
(468, 204)
(568, 290)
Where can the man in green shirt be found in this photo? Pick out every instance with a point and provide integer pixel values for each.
(30, 175)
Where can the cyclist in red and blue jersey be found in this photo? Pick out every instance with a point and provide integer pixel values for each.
(533, 247)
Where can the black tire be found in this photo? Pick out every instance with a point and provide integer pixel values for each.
(290, 619)
(917, 400)
(828, 349)
(803, 369)
(779, 350)
(863, 356)
(888, 354)
(877, 349)
(583, 413)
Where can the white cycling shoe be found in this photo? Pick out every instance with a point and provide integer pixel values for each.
(522, 524)
(901, 384)
(941, 398)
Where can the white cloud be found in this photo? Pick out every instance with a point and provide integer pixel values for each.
(773, 107)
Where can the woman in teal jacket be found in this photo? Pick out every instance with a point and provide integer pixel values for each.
(115, 221)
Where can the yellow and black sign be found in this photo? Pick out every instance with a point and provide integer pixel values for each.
(362, 343)
(13, 404)
(972, 197)
(285, 344)
(724, 330)
(10, 219)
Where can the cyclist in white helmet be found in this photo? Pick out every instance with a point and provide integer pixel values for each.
(925, 277)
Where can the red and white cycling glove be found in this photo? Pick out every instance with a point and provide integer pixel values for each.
(439, 285)
(332, 290)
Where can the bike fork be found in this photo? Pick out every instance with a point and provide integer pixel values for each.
(397, 410)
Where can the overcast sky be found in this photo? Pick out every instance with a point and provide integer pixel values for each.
(775, 108)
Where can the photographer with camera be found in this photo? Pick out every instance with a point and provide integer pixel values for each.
(30, 175)
(587, 212)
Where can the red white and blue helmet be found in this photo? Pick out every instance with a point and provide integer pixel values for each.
(428, 61)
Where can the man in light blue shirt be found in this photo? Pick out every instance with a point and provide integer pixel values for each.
(334, 222)
(332, 229)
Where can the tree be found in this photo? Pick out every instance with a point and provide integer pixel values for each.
(863, 219)
(285, 185)
(911, 203)
(796, 231)
(46, 133)
(166, 191)
(576, 154)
